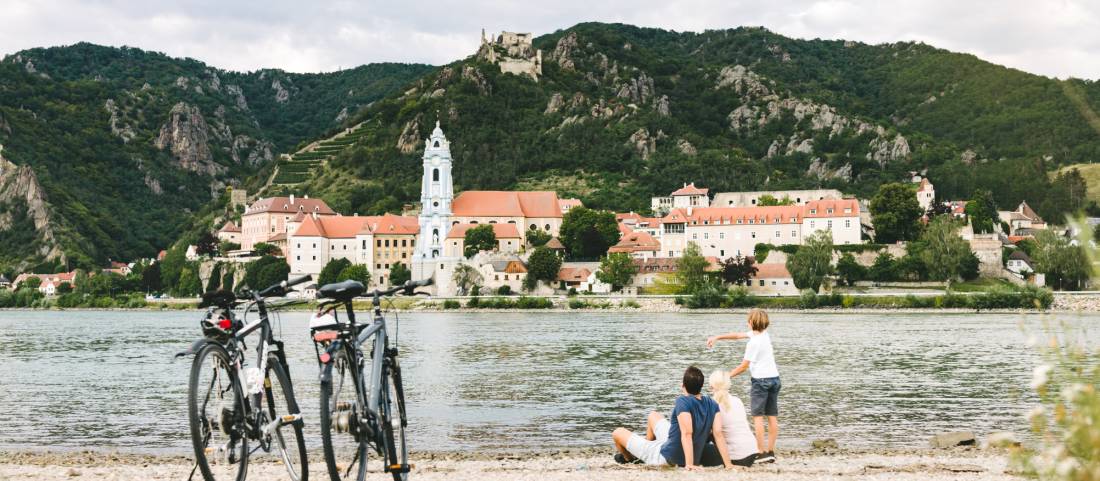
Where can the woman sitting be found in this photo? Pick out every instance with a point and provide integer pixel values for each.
(739, 439)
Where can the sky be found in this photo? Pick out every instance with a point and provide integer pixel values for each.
(1057, 38)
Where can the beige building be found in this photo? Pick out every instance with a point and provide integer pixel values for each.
(752, 199)
(268, 217)
(527, 210)
(507, 235)
(1022, 218)
(379, 242)
(639, 244)
(230, 232)
(772, 280)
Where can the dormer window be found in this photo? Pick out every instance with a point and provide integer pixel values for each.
(813, 211)
(829, 211)
(847, 210)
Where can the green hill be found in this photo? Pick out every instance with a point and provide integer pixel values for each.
(125, 144)
(621, 113)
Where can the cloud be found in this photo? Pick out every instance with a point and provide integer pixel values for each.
(1048, 37)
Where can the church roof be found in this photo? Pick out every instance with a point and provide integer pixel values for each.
(496, 203)
(502, 231)
(690, 189)
(286, 205)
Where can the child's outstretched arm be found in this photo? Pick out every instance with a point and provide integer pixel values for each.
(730, 336)
(744, 366)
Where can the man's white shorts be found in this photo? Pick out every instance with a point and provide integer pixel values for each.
(650, 451)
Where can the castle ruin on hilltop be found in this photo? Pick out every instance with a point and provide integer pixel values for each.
(513, 52)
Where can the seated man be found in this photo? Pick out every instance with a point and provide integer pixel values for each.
(678, 442)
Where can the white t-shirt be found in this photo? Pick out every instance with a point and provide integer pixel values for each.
(735, 427)
(760, 356)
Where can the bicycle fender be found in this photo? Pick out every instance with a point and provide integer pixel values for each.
(326, 359)
(195, 346)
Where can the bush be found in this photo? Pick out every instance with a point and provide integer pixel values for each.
(631, 303)
(474, 302)
(533, 303)
(572, 292)
(577, 304)
(504, 290)
(451, 304)
(708, 296)
(739, 297)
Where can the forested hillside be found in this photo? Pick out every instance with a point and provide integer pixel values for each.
(621, 113)
(123, 144)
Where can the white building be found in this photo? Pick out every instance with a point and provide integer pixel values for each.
(379, 242)
(726, 232)
(752, 199)
(687, 196)
(926, 194)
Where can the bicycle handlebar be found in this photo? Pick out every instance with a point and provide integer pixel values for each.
(281, 288)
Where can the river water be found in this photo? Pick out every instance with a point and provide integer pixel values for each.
(519, 381)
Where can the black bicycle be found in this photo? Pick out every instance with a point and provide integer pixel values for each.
(362, 399)
(230, 404)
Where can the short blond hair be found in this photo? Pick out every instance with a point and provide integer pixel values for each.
(758, 320)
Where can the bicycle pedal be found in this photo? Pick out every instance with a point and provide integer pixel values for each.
(399, 468)
(289, 418)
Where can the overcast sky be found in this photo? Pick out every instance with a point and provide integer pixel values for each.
(1050, 37)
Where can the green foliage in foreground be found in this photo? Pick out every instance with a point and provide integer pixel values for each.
(507, 303)
(1007, 297)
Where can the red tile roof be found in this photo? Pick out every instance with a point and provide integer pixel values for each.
(573, 274)
(502, 231)
(690, 189)
(554, 243)
(635, 242)
(771, 271)
(494, 203)
(390, 224)
(820, 208)
(344, 227)
(230, 226)
(285, 205)
(569, 203)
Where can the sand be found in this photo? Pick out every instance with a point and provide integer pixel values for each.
(959, 463)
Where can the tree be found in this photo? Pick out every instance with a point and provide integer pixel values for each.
(399, 274)
(171, 267)
(544, 264)
(33, 282)
(691, 269)
(617, 269)
(207, 245)
(189, 283)
(265, 271)
(971, 267)
(225, 246)
(480, 238)
(536, 237)
(331, 272)
(1065, 265)
(64, 288)
(849, 270)
(465, 278)
(770, 200)
(982, 211)
(357, 272)
(738, 270)
(150, 278)
(895, 214)
(813, 262)
(265, 249)
(944, 253)
(588, 233)
(937, 208)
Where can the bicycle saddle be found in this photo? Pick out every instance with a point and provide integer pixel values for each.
(341, 291)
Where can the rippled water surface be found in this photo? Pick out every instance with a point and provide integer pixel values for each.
(540, 380)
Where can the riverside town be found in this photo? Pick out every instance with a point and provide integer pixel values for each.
(775, 241)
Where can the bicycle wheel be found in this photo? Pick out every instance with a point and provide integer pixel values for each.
(287, 440)
(216, 411)
(393, 402)
(345, 447)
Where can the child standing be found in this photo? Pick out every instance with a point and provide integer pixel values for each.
(759, 360)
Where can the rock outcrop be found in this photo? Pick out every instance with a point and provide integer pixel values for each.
(409, 141)
(282, 95)
(19, 188)
(119, 128)
(186, 136)
(556, 102)
(563, 51)
(643, 143)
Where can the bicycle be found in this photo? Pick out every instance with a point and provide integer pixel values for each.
(374, 415)
(229, 404)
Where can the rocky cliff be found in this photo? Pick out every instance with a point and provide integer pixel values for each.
(21, 192)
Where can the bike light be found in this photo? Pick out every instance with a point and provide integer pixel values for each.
(325, 358)
(225, 324)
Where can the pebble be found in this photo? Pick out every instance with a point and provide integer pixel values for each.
(952, 439)
(72, 472)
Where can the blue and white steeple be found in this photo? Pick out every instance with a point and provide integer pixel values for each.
(436, 195)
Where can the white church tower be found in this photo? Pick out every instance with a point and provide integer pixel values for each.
(436, 195)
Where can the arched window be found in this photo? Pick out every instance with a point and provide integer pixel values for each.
(435, 174)
(437, 144)
(547, 227)
(533, 227)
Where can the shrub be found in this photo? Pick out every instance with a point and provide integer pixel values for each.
(631, 303)
(451, 304)
(504, 290)
(533, 303)
(572, 292)
(708, 296)
(474, 302)
(739, 297)
(577, 304)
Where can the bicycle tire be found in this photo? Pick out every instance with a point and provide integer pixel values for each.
(397, 452)
(340, 368)
(279, 441)
(199, 417)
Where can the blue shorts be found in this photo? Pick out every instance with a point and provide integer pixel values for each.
(764, 396)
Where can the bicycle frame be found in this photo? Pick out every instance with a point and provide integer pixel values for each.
(362, 333)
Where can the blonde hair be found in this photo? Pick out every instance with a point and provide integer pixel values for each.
(720, 389)
(758, 320)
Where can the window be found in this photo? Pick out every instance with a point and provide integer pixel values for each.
(387, 243)
(314, 257)
(721, 235)
(776, 234)
(694, 235)
(345, 247)
(378, 266)
(315, 245)
(548, 227)
(847, 223)
(381, 279)
(378, 242)
(761, 282)
(505, 276)
(722, 253)
(829, 210)
(706, 235)
(437, 143)
(496, 277)
(404, 242)
(364, 244)
(492, 222)
(670, 253)
(753, 234)
(812, 224)
(794, 234)
(829, 224)
(813, 211)
(404, 255)
(533, 227)
(299, 245)
(435, 172)
(773, 283)
(297, 258)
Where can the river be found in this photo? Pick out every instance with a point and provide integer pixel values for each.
(541, 380)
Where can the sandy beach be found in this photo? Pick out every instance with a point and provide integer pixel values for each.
(956, 464)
